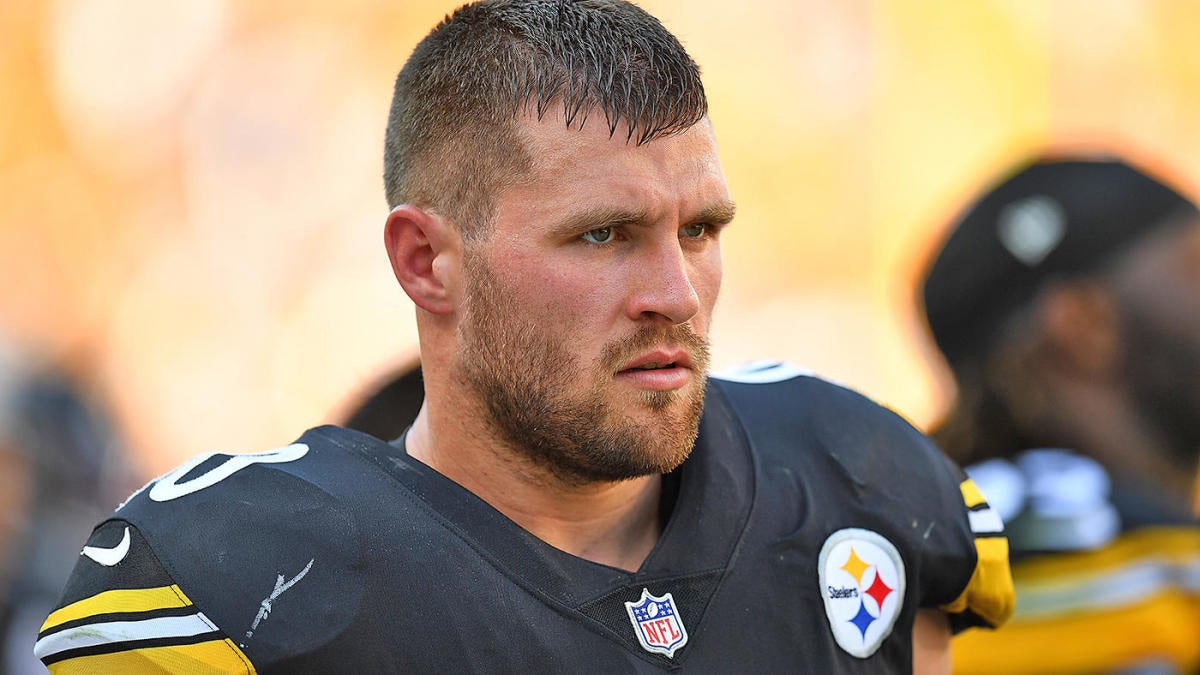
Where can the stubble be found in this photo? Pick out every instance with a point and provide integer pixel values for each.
(529, 380)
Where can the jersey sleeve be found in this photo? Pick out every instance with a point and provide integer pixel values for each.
(231, 563)
(122, 612)
(988, 598)
(956, 537)
(874, 470)
(956, 540)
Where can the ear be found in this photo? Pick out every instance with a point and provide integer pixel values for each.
(1080, 322)
(425, 253)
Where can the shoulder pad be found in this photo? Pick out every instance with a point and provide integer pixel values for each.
(1068, 505)
(122, 612)
(261, 542)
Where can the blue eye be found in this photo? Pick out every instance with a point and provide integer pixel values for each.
(600, 235)
(694, 230)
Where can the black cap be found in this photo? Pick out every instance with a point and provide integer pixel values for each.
(1047, 219)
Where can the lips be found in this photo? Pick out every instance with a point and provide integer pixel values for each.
(659, 359)
(666, 369)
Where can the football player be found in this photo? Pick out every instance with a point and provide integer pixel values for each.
(1067, 302)
(575, 495)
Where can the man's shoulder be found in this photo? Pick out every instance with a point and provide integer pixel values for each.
(221, 490)
(841, 447)
(224, 515)
(328, 494)
(779, 385)
(785, 406)
(858, 466)
(243, 546)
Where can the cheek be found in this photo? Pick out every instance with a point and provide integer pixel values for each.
(564, 298)
(707, 279)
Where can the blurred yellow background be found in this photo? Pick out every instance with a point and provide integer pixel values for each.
(191, 207)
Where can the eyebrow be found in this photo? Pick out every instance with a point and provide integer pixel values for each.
(600, 218)
(719, 213)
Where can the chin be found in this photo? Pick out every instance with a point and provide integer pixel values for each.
(672, 453)
(661, 400)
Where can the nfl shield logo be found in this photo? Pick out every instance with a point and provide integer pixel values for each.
(657, 624)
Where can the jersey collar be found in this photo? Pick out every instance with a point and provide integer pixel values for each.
(716, 494)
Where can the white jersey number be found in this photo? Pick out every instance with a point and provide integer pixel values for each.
(168, 487)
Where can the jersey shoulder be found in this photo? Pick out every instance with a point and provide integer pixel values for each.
(121, 611)
(248, 547)
(857, 452)
(785, 407)
(223, 511)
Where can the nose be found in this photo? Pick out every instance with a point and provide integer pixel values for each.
(664, 288)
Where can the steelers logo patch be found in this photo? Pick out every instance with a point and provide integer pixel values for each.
(862, 583)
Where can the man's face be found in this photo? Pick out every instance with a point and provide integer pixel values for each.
(586, 317)
(1158, 290)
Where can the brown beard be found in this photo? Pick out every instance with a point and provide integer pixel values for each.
(524, 376)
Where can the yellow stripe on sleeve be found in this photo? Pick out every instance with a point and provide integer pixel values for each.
(972, 497)
(206, 658)
(120, 600)
(989, 593)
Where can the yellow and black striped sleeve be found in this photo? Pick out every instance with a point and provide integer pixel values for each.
(988, 598)
(122, 613)
(1089, 611)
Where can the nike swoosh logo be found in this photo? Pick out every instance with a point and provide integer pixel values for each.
(108, 556)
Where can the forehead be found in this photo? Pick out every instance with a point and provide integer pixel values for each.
(573, 167)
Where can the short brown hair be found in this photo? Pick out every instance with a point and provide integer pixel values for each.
(452, 141)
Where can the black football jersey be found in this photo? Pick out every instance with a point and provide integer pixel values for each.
(808, 527)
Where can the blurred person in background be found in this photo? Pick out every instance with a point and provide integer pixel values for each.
(1066, 300)
(61, 468)
(16, 476)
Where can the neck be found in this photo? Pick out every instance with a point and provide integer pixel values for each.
(615, 524)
